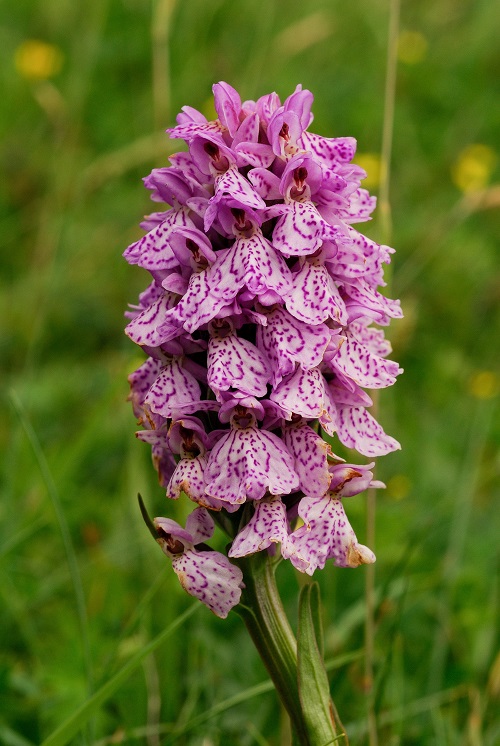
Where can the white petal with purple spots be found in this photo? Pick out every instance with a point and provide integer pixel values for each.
(326, 534)
(311, 454)
(314, 296)
(285, 341)
(356, 361)
(236, 363)
(174, 389)
(211, 578)
(153, 251)
(249, 462)
(358, 429)
(267, 526)
(144, 328)
(300, 230)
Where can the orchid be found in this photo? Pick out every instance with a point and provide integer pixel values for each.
(258, 330)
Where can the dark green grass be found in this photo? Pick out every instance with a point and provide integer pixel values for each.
(82, 586)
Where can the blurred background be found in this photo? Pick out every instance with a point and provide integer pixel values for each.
(87, 91)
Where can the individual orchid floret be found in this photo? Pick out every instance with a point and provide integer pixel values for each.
(326, 534)
(206, 575)
(234, 362)
(247, 462)
(187, 438)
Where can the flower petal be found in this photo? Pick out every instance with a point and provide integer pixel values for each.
(234, 362)
(326, 534)
(311, 453)
(314, 297)
(286, 341)
(249, 462)
(144, 328)
(175, 388)
(268, 525)
(356, 362)
(358, 429)
(210, 577)
(153, 251)
(299, 231)
(305, 393)
(200, 525)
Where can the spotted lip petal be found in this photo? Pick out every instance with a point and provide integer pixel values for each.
(252, 263)
(366, 369)
(358, 429)
(236, 363)
(285, 341)
(305, 393)
(267, 526)
(208, 576)
(314, 297)
(211, 578)
(153, 251)
(247, 463)
(174, 389)
(326, 534)
(144, 328)
(310, 454)
(300, 230)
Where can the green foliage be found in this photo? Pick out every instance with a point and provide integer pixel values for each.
(80, 124)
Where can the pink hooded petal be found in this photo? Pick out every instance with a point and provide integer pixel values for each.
(268, 525)
(248, 130)
(172, 538)
(227, 105)
(350, 479)
(211, 578)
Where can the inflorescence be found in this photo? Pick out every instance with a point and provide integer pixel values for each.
(258, 329)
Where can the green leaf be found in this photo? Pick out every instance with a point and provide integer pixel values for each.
(314, 689)
(75, 722)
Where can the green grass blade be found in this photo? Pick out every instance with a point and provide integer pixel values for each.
(75, 722)
(246, 694)
(64, 529)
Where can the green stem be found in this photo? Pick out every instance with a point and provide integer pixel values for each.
(262, 611)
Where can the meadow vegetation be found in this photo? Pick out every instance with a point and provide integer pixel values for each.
(87, 91)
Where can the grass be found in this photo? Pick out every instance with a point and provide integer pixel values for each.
(82, 587)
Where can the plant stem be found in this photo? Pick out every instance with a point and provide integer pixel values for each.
(264, 616)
